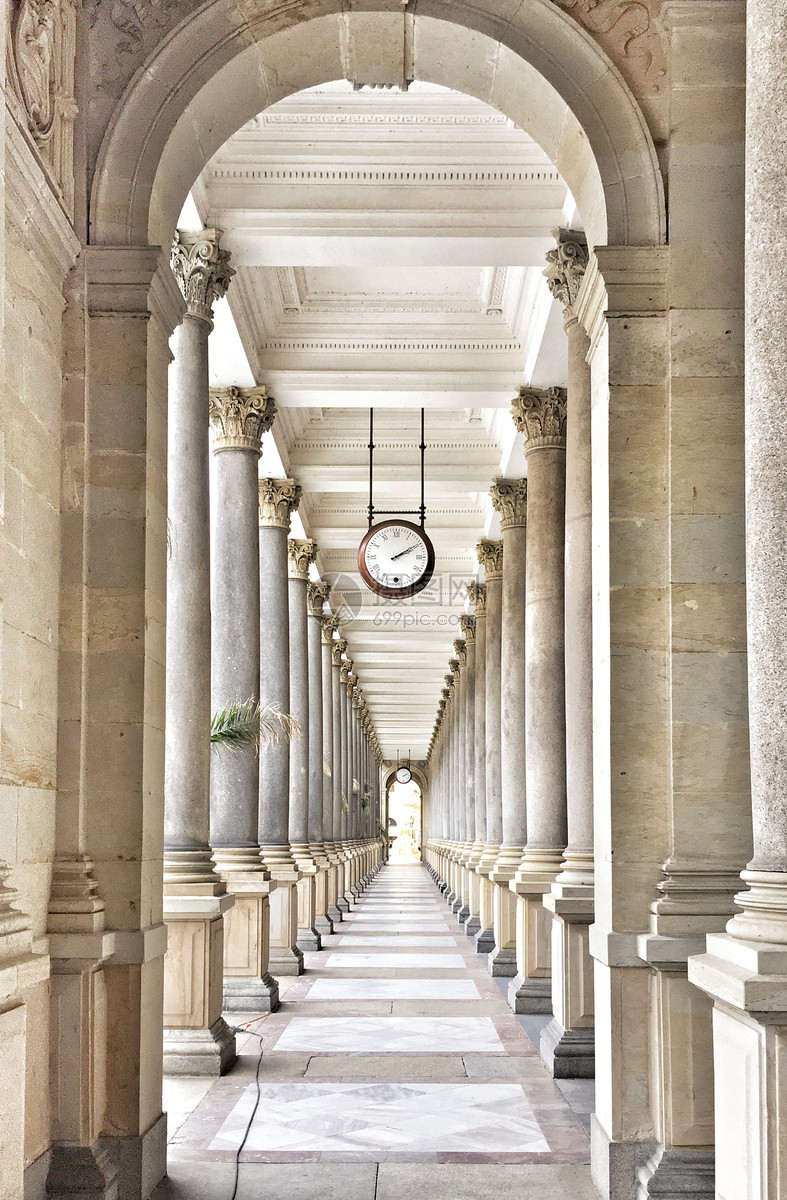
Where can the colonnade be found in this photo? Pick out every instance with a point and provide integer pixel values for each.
(512, 838)
(265, 851)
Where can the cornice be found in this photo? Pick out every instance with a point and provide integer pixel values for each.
(398, 345)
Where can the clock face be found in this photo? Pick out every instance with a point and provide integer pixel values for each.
(403, 775)
(396, 559)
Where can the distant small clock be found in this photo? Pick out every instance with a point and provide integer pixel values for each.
(396, 559)
(403, 775)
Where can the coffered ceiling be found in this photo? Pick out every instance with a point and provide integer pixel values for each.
(389, 250)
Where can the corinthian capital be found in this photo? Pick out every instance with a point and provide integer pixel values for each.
(477, 595)
(566, 265)
(278, 500)
(467, 625)
(540, 414)
(301, 553)
(490, 556)
(202, 270)
(239, 417)
(337, 650)
(316, 597)
(460, 650)
(509, 498)
(455, 666)
(328, 627)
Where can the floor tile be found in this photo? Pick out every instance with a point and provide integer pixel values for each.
(284, 1181)
(392, 1035)
(393, 989)
(438, 1181)
(396, 938)
(443, 962)
(384, 1116)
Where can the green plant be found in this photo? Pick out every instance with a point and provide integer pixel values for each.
(250, 723)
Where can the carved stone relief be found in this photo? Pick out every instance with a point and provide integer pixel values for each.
(40, 60)
(627, 31)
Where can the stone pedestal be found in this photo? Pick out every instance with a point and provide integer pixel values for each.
(248, 984)
(567, 1043)
(197, 1039)
(286, 957)
(747, 981)
(530, 990)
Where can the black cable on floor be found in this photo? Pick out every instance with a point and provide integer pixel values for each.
(253, 1111)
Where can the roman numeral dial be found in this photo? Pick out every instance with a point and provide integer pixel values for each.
(396, 559)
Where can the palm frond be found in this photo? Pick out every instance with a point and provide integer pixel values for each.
(250, 723)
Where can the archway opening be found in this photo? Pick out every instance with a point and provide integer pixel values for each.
(404, 823)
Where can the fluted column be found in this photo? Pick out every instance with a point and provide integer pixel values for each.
(278, 499)
(317, 596)
(239, 417)
(197, 1039)
(301, 553)
(541, 416)
(567, 1043)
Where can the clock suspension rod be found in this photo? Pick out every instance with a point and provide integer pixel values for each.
(371, 466)
(423, 452)
(395, 512)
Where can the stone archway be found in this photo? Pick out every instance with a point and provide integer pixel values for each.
(539, 68)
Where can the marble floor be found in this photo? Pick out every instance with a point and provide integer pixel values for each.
(394, 1067)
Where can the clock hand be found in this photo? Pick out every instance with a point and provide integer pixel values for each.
(406, 550)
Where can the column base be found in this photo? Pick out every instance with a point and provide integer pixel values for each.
(323, 924)
(335, 914)
(678, 1175)
(308, 941)
(343, 905)
(472, 925)
(142, 1161)
(199, 1051)
(568, 1053)
(614, 1165)
(462, 914)
(86, 1172)
(484, 941)
(286, 960)
(253, 995)
(529, 995)
(502, 962)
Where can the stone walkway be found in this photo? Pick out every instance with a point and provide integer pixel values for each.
(394, 1068)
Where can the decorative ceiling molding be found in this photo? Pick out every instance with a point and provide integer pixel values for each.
(234, 173)
(367, 345)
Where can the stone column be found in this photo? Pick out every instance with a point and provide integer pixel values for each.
(541, 416)
(463, 836)
(509, 498)
(472, 922)
(239, 417)
(317, 595)
(328, 627)
(337, 650)
(490, 556)
(745, 970)
(567, 1043)
(301, 553)
(278, 499)
(484, 935)
(197, 1040)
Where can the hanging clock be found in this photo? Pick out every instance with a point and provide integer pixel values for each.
(395, 558)
(403, 775)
